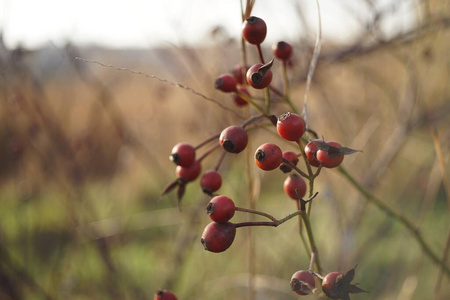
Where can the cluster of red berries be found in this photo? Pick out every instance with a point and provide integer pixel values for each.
(220, 233)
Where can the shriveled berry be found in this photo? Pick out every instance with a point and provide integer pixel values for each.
(292, 183)
(290, 126)
(211, 181)
(302, 282)
(311, 152)
(233, 139)
(189, 173)
(226, 83)
(290, 156)
(218, 237)
(282, 50)
(164, 295)
(268, 156)
(330, 158)
(183, 154)
(259, 78)
(238, 100)
(254, 30)
(220, 209)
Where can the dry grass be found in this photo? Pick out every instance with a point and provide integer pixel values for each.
(85, 157)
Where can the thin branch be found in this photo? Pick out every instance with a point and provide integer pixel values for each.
(313, 64)
(391, 212)
(176, 84)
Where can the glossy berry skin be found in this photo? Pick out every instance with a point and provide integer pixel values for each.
(311, 152)
(233, 139)
(238, 100)
(290, 156)
(332, 158)
(290, 126)
(218, 237)
(302, 282)
(268, 156)
(226, 83)
(258, 80)
(164, 295)
(293, 182)
(189, 173)
(210, 181)
(282, 50)
(254, 30)
(183, 154)
(220, 209)
(329, 286)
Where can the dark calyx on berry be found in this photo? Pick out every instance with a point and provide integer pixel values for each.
(257, 78)
(260, 155)
(284, 116)
(175, 158)
(229, 146)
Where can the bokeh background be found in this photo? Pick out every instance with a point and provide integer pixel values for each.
(84, 148)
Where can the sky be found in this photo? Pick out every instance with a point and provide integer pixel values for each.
(154, 23)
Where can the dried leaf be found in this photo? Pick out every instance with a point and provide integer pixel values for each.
(266, 67)
(180, 193)
(349, 276)
(169, 187)
(346, 297)
(322, 145)
(353, 289)
(347, 151)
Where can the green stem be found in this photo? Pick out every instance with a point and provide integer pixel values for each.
(391, 212)
(312, 243)
(311, 175)
(250, 101)
(296, 168)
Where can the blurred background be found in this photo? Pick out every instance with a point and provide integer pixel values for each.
(84, 148)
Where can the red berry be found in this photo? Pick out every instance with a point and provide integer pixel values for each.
(189, 173)
(311, 152)
(226, 83)
(233, 139)
(330, 158)
(290, 126)
(294, 182)
(238, 100)
(238, 73)
(331, 287)
(302, 282)
(183, 154)
(282, 50)
(211, 181)
(218, 237)
(254, 30)
(220, 209)
(290, 156)
(268, 156)
(164, 295)
(258, 79)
